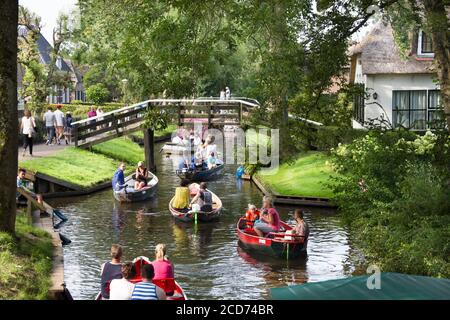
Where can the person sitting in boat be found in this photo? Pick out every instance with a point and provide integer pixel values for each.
(121, 289)
(118, 181)
(203, 198)
(210, 146)
(146, 290)
(181, 200)
(141, 176)
(301, 227)
(111, 270)
(251, 215)
(211, 161)
(163, 267)
(198, 160)
(269, 220)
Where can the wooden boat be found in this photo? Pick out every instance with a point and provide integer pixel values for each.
(201, 174)
(201, 216)
(137, 195)
(172, 288)
(277, 244)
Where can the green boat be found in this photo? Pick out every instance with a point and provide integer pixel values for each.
(392, 286)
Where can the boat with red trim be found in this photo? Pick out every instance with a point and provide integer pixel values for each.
(172, 288)
(281, 244)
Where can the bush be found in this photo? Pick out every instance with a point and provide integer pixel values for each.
(393, 192)
(97, 93)
(328, 137)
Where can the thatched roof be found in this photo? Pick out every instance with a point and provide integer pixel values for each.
(380, 54)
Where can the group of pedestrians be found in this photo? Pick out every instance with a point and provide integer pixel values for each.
(58, 125)
(225, 94)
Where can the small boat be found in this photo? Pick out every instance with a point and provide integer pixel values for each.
(172, 288)
(278, 244)
(201, 174)
(137, 195)
(200, 216)
(175, 148)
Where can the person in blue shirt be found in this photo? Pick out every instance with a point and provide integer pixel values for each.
(21, 182)
(118, 180)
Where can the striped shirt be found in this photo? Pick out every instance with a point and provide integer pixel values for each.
(144, 291)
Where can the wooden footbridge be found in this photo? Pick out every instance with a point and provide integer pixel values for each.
(209, 111)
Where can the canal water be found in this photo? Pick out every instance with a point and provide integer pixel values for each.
(208, 261)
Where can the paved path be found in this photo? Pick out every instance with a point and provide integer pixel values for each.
(42, 150)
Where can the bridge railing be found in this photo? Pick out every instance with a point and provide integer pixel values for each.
(126, 119)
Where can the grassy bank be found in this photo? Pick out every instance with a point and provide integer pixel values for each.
(307, 177)
(25, 263)
(77, 166)
(121, 149)
(158, 134)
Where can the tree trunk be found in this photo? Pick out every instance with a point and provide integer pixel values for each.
(439, 26)
(8, 114)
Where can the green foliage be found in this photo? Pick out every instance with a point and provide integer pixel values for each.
(97, 93)
(156, 119)
(328, 137)
(25, 262)
(393, 192)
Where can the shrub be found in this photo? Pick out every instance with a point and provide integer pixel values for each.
(328, 137)
(97, 93)
(393, 192)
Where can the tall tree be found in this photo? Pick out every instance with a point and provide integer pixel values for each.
(8, 114)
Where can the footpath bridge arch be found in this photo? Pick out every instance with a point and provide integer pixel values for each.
(212, 112)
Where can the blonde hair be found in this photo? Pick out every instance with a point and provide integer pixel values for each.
(251, 206)
(160, 251)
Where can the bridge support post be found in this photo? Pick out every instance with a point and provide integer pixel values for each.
(149, 149)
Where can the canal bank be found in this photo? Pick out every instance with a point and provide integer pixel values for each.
(207, 257)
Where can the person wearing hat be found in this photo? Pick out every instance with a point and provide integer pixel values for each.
(141, 176)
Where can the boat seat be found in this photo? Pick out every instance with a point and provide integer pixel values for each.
(167, 284)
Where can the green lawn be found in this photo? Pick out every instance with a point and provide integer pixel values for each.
(25, 263)
(306, 177)
(121, 149)
(77, 166)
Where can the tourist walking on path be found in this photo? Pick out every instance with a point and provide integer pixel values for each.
(92, 113)
(227, 93)
(100, 113)
(222, 95)
(49, 119)
(59, 121)
(28, 128)
(111, 270)
(68, 128)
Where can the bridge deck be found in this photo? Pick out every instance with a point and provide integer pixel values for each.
(213, 112)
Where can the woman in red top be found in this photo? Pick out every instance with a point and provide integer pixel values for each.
(163, 267)
(269, 219)
(251, 215)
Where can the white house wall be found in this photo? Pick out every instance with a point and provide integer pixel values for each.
(383, 85)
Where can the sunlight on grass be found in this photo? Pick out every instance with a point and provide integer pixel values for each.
(307, 177)
(121, 149)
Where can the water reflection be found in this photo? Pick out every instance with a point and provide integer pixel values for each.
(209, 264)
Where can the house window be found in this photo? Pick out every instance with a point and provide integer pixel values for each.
(415, 109)
(424, 45)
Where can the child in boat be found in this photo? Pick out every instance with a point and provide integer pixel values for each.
(211, 161)
(203, 198)
(251, 215)
(181, 200)
(111, 270)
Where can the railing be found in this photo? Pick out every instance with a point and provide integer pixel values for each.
(129, 118)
